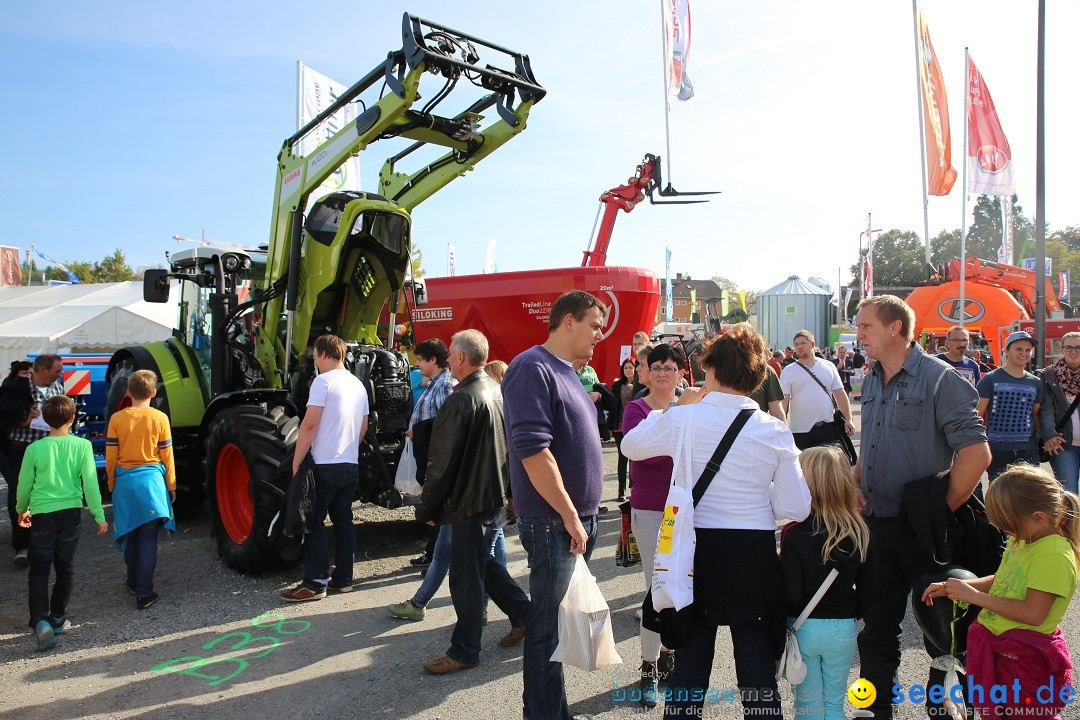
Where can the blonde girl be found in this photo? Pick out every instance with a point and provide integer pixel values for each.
(1018, 633)
(834, 536)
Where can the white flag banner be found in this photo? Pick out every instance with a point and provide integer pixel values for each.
(451, 261)
(315, 93)
(677, 50)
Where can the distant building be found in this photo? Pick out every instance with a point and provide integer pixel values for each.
(681, 287)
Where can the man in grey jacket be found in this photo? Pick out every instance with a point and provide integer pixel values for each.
(918, 419)
(466, 483)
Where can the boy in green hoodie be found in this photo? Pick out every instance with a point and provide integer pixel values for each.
(56, 472)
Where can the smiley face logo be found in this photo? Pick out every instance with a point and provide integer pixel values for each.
(862, 693)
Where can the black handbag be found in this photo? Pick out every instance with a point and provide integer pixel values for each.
(676, 626)
(839, 421)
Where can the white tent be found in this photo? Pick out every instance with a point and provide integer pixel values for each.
(99, 317)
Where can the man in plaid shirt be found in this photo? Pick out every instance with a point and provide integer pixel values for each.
(431, 360)
(46, 381)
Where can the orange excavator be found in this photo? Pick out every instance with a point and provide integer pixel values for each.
(995, 296)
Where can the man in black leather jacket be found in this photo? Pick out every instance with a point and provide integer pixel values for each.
(467, 476)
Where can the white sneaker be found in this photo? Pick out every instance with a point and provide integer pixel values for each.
(20, 558)
(637, 613)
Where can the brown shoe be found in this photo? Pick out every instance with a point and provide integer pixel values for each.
(302, 594)
(513, 637)
(446, 664)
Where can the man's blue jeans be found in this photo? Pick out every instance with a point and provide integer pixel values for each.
(436, 571)
(1066, 466)
(547, 545)
(335, 486)
(1000, 460)
(474, 569)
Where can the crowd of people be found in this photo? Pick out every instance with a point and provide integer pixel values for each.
(762, 439)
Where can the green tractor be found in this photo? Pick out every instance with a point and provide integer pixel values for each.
(234, 377)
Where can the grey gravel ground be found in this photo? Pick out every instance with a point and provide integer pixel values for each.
(342, 657)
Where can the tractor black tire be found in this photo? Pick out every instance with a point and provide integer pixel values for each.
(246, 480)
(190, 493)
(118, 383)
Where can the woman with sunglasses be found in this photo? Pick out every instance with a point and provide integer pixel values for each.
(1061, 436)
(649, 481)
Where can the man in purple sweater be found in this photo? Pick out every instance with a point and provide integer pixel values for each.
(557, 474)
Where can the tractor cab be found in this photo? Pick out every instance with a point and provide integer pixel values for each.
(204, 272)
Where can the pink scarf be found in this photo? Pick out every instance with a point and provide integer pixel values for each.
(1067, 378)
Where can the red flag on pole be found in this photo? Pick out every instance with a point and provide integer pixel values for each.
(939, 170)
(10, 270)
(989, 159)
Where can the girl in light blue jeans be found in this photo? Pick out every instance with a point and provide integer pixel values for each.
(834, 536)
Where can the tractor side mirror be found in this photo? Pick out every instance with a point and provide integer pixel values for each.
(156, 286)
(419, 292)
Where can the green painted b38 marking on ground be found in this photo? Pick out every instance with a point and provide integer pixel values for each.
(192, 664)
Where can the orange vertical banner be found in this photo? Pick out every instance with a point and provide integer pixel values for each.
(939, 170)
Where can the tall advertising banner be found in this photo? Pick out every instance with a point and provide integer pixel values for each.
(989, 159)
(315, 93)
(669, 304)
(451, 261)
(678, 49)
(940, 174)
(10, 269)
(1063, 285)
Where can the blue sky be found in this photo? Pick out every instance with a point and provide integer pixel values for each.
(130, 122)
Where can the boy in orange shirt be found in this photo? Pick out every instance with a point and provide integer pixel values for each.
(142, 479)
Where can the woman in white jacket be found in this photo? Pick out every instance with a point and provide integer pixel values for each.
(737, 576)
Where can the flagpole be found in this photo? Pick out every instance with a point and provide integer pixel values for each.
(922, 129)
(667, 107)
(963, 189)
(299, 93)
(1040, 194)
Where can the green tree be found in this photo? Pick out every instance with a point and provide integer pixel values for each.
(83, 270)
(898, 259)
(418, 262)
(1068, 236)
(114, 268)
(945, 246)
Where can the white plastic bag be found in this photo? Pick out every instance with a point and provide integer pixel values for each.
(585, 637)
(673, 564)
(405, 478)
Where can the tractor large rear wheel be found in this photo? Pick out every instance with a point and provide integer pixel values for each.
(246, 480)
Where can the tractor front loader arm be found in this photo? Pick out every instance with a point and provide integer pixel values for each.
(427, 48)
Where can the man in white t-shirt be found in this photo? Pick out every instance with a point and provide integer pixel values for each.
(334, 424)
(810, 386)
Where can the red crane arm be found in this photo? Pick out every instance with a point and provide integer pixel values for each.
(625, 198)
